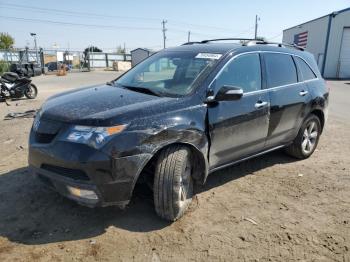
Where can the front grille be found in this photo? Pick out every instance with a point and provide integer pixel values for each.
(75, 174)
(44, 138)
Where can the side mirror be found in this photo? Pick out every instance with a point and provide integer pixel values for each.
(227, 93)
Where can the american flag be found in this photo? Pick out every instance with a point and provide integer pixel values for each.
(301, 39)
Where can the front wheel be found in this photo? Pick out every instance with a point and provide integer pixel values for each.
(173, 184)
(307, 139)
(31, 91)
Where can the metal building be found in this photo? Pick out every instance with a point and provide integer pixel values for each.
(328, 38)
(139, 54)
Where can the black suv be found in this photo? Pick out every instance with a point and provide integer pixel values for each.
(174, 118)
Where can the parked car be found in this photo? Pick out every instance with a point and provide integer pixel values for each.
(52, 66)
(176, 117)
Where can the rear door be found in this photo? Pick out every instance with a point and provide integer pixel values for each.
(238, 128)
(288, 97)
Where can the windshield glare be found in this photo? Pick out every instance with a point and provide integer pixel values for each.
(167, 73)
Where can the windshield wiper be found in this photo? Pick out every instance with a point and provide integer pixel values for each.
(111, 83)
(142, 90)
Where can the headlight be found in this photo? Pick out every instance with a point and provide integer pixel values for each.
(92, 136)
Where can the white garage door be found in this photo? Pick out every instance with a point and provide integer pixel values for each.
(344, 69)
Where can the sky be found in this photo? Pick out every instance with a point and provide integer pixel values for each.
(107, 24)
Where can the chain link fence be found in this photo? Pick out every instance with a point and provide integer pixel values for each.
(50, 60)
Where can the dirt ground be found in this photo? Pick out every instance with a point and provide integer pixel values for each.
(272, 208)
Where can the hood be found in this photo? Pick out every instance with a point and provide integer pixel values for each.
(102, 105)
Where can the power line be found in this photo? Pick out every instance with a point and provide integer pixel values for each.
(68, 12)
(77, 13)
(77, 24)
(202, 26)
(97, 26)
(248, 30)
(275, 36)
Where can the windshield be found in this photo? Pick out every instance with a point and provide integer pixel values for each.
(168, 73)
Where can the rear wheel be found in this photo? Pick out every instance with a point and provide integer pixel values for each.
(173, 184)
(31, 91)
(307, 139)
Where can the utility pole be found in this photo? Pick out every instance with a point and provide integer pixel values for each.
(90, 57)
(36, 47)
(256, 26)
(189, 36)
(164, 30)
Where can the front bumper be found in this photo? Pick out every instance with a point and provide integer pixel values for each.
(62, 165)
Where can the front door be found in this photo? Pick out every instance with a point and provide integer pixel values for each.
(238, 128)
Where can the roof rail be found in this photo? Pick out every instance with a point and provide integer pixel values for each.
(248, 42)
(226, 39)
(191, 43)
(263, 42)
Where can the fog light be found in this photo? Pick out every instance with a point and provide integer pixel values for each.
(83, 193)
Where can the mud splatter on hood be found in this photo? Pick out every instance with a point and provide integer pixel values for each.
(102, 105)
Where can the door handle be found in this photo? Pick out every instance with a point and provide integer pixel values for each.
(303, 92)
(260, 104)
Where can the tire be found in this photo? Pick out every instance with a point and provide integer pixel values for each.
(22, 72)
(31, 92)
(173, 183)
(30, 72)
(307, 139)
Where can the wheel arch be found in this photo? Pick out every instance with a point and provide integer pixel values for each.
(319, 113)
(201, 170)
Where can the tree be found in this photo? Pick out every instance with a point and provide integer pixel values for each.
(91, 49)
(120, 50)
(261, 38)
(6, 41)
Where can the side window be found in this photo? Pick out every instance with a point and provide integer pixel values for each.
(243, 71)
(305, 70)
(280, 69)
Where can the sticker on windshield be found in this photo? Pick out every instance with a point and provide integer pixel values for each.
(208, 56)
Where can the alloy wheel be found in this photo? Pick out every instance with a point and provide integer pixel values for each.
(185, 184)
(310, 136)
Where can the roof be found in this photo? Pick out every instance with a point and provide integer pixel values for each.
(145, 49)
(223, 48)
(333, 13)
(220, 48)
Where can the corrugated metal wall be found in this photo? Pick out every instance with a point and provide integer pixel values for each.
(335, 39)
(317, 34)
(102, 60)
(317, 38)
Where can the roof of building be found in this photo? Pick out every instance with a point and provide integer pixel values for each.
(145, 49)
(333, 13)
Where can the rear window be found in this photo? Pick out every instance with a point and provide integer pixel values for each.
(306, 72)
(280, 69)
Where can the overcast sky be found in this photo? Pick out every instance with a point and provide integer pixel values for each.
(107, 23)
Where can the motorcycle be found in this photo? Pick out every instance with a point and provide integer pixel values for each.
(14, 86)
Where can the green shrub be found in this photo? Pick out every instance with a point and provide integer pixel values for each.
(4, 67)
